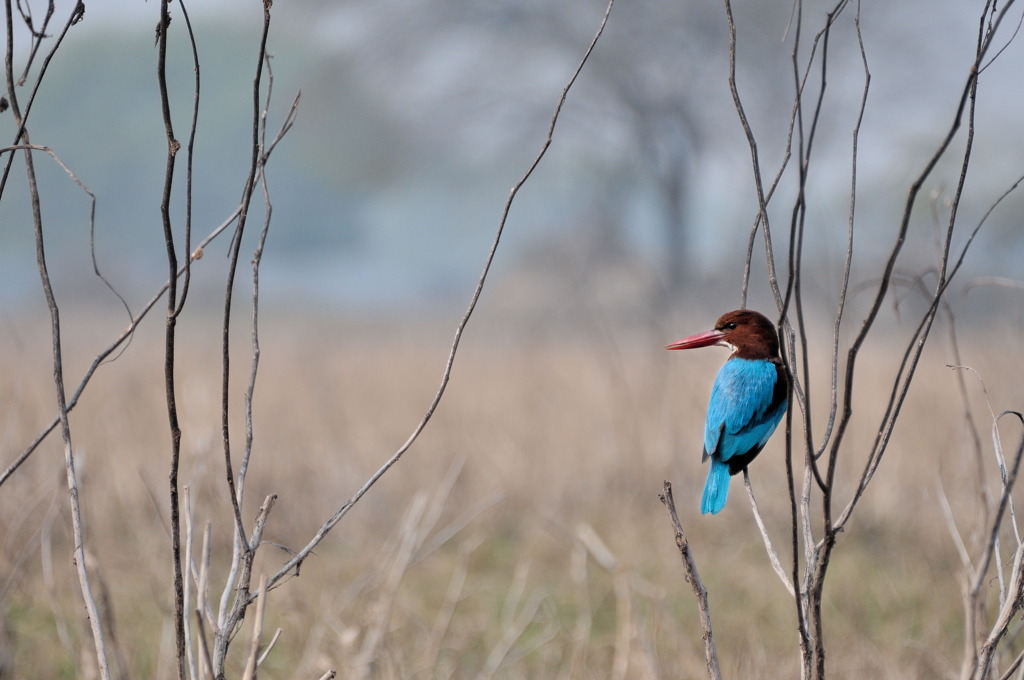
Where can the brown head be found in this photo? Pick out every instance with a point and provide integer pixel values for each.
(749, 334)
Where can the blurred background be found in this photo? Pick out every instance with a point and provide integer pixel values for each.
(416, 119)
(536, 482)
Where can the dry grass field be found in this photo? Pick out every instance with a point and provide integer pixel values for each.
(521, 536)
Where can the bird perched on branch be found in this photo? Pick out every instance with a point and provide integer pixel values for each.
(747, 401)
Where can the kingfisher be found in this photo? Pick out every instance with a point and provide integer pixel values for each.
(747, 400)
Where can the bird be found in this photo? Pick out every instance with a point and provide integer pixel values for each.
(747, 402)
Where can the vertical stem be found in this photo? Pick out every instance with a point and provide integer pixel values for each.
(169, 336)
(58, 368)
(244, 551)
(693, 578)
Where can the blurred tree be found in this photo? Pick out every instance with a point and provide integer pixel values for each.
(475, 80)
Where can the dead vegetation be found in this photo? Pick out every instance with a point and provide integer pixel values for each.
(521, 538)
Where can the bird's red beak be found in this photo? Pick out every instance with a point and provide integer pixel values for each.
(704, 339)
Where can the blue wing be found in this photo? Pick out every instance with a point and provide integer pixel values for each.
(745, 408)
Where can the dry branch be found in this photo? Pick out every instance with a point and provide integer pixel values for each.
(257, 631)
(20, 117)
(820, 455)
(296, 562)
(700, 593)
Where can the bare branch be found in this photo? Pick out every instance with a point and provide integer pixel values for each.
(109, 350)
(693, 578)
(189, 158)
(207, 665)
(95, 621)
(22, 115)
(190, 656)
(257, 631)
(169, 342)
(1014, 599)
(233, 253)
(325, 528)
(773, 556)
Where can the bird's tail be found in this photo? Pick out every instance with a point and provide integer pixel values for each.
(716, 489)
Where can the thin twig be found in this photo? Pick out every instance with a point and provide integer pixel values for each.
(848, 260)
(885, 280)
(340, 513)
(95, 621)
(773, 556)
(22, 114)
(907, 370)
(190, 655)
(257, 630)
(1011, 605)
(954, 531)
(106, 353)
(189, 158)
(230, 621)
(693, 578)
(270, 646)
(240, 542)
(169, 342)
(203, 647)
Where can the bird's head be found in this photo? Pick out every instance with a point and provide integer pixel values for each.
(749, 334)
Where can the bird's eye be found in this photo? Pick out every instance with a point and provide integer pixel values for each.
(730, 326)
